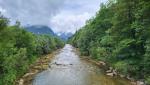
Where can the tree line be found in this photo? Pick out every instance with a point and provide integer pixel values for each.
(19, 49)
(119, 34)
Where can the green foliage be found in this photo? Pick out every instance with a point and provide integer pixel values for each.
(46, 44)
(3, 22)
(148, 80)
(119, 35)
(120, 67)
(19, 49)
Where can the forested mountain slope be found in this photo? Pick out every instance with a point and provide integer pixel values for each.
(120, 36)
(40, 29)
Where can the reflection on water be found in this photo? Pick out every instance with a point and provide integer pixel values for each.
(67, 69)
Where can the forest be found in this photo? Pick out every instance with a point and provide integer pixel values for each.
(119, 35)
(19, 49)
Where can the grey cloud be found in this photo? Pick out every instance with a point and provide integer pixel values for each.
(31, 11)
(60, 15)
(74, 15)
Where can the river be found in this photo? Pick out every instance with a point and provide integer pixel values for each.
(67, 68)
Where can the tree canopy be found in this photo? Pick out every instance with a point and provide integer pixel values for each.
(120, 36)
(19, 49)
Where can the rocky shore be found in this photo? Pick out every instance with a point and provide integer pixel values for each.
(41, 64)
(110, 71)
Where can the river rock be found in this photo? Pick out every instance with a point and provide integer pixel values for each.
(122, 76)
(110, 74)
(129, 78)
(114, 72)
(49, 66)
(111, 68)
(37, 67)
(21, 81)
(57, 63)
(108, 71)
(133, 83)
(140, 83)
(44, 67)
(102, 63)
(28, 74)
(71, 64)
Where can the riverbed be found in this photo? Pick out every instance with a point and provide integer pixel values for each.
(67, 68)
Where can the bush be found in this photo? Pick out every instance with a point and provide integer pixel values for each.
(121, 67)
(148, 80)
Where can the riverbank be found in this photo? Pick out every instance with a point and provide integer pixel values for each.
(109, 71)
(40, 65)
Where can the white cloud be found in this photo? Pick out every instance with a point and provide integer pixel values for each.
(68, 22)
(3, 11)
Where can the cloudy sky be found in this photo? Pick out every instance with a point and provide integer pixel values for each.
(60, 15)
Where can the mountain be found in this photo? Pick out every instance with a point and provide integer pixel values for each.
(40, 29)
(64, 36)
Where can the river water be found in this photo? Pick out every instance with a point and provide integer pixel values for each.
(68, 69)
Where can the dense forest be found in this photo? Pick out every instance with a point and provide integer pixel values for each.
(119, 35)
(19, 49)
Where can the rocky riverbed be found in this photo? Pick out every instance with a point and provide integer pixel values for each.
(40, 65)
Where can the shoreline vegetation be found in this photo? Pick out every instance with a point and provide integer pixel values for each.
(119, 36)
(20, 48)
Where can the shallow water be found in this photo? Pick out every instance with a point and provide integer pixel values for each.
(68, 69)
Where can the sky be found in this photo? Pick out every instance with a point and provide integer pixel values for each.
(62, 16)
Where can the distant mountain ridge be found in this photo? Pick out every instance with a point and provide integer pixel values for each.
(40, 29)
(64, 36)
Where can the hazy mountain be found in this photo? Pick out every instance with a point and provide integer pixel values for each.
(64, 36)
(40, 29)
